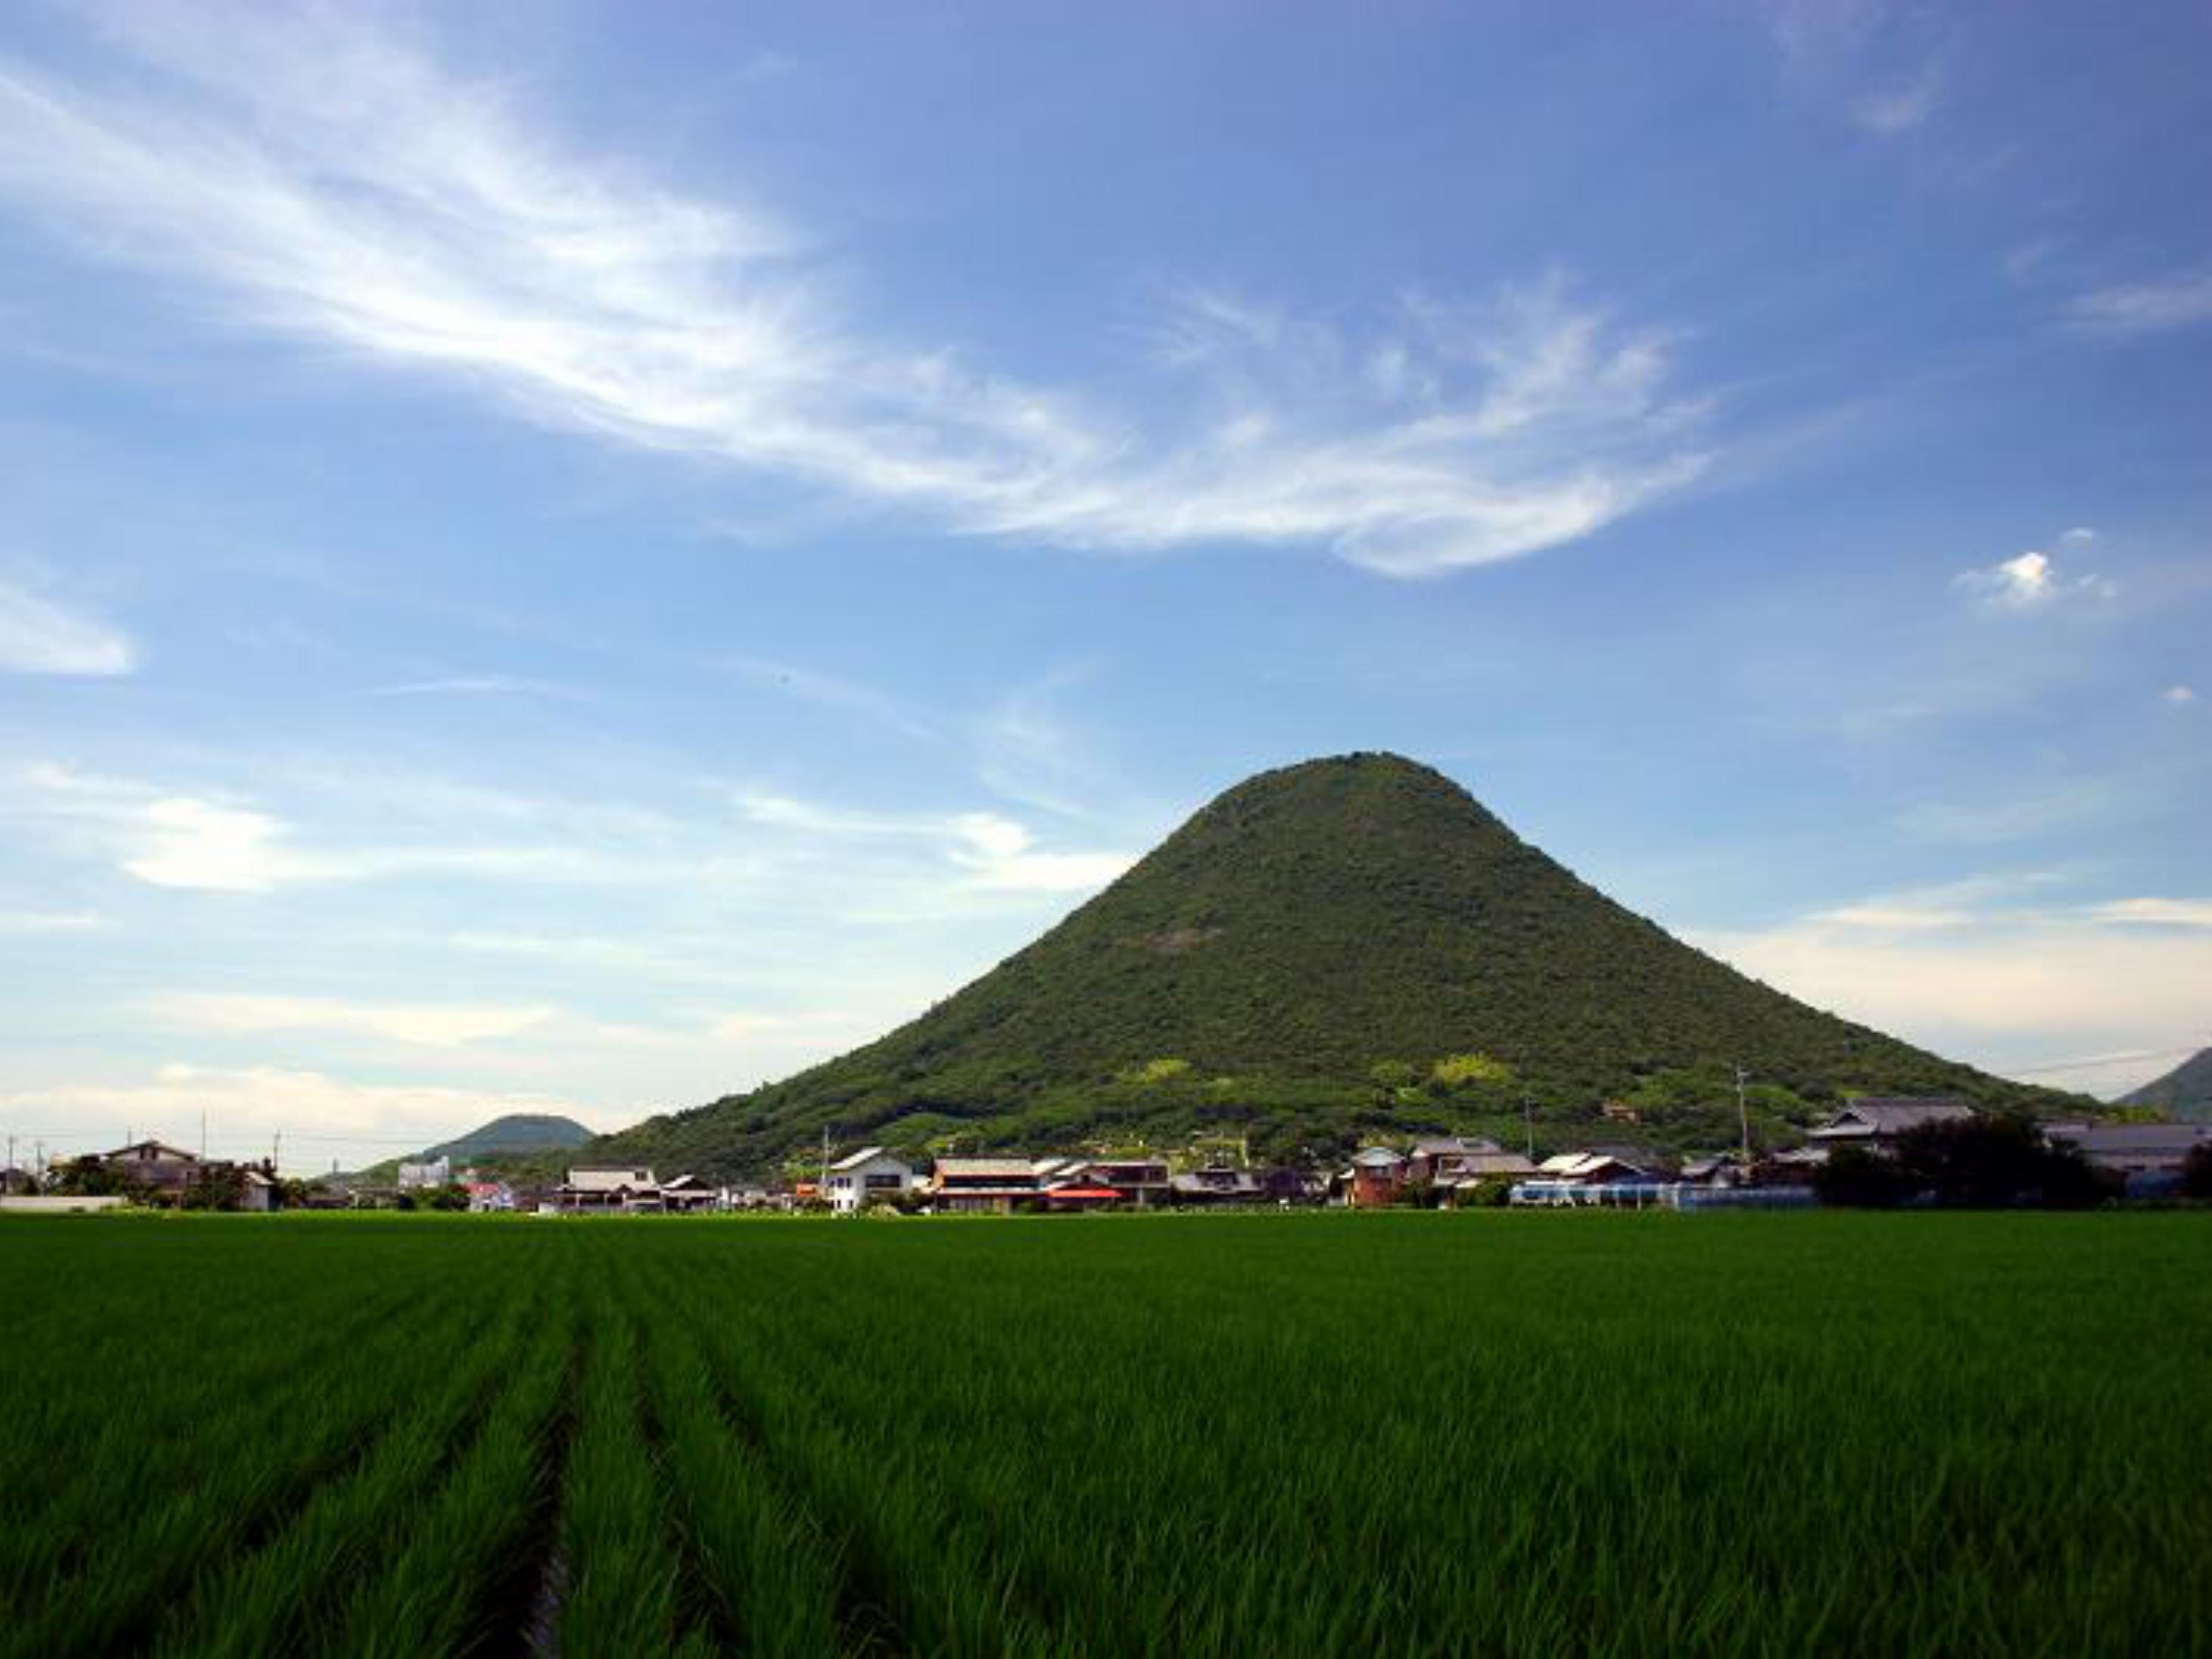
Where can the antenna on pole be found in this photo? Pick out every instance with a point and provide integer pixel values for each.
(1743, 1119)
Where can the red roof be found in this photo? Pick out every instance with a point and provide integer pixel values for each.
(1083, 1192)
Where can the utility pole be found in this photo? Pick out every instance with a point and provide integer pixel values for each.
(1528, 1122)
(1743, 1118)
(275, 1151)
(203, 1134)
(825, 1163)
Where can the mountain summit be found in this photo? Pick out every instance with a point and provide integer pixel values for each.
(1336, 949)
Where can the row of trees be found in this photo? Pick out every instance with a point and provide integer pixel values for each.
(1995, 1162)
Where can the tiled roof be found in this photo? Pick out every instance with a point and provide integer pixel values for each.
(985, 1168)
(608, 1181)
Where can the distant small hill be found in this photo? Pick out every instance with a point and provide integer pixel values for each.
(518, 1134)
(1343, 949)
(2185, 1091)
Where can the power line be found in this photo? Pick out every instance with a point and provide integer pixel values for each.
(2091, 1062)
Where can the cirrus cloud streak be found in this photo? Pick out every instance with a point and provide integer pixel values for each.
(337, 186)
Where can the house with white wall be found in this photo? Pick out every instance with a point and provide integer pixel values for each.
(870, 1175)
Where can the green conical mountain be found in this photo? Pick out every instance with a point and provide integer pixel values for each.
(1292, 965)
(2185, 1092)
(516, 1134)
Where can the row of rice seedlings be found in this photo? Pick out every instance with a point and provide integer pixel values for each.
(79, 1590)
(461, 1582)
(622, 1567)
(255, 1604)
(906, 1557)
(163, 1378)
(770, 1575)
(1519, 1467)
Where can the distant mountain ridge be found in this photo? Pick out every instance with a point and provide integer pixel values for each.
(1334, 951)
(2185, 1091)
(517, 1135)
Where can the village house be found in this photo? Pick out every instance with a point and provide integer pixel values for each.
(1875, 1122)
(1591, 1168)
(1217, 1184)
(993, 1185)
(1375, 1178)
(1460, 1160)
(1077, 1195)
(415, 1177)
(2149, 1157)
(870, 1175)
(685, 1194)
(164, 1173)
(1141, 1181)
(608, 1192)
(256, 1190)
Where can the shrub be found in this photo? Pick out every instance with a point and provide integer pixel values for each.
(2196, 1171)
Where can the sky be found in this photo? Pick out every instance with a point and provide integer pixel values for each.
(581, 557)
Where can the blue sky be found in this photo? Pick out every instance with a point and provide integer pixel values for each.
(584, 557)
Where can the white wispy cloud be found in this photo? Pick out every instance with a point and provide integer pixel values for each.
(1948, 904)
(50, 922)
(2030, 581)
(2182, 299)
(2179, 695)
(334, 183)
(194, 842)
(1901, 105)
(39, 636)
(430, 1025)
(985, 851)
(2156, 912)
(476, 685)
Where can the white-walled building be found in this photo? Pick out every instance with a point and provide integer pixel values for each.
(868, 1176)
(436, 1172)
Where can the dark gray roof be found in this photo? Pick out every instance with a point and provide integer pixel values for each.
(1892, 1115)
(2108, 1138)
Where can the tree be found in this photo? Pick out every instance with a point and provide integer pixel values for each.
(1996, 1161)
(2196, 1171)
(1459, 1071)
(1857, 1179)
(89, 1177)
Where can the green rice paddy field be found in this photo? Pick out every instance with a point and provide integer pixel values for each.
(1422, 1433)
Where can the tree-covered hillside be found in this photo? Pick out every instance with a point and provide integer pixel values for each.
(2185, 1092)
(1343, 948)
